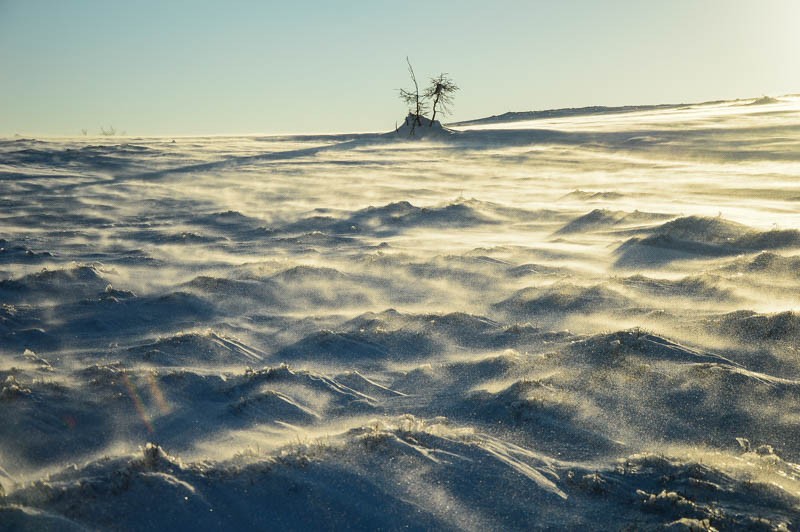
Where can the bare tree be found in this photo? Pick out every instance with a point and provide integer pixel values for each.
(441, 90)
(416, 104)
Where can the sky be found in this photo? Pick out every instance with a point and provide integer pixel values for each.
(197, 67)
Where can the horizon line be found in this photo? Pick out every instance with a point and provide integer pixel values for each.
(628, 107)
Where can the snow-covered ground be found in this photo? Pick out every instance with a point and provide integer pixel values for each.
(585, 320)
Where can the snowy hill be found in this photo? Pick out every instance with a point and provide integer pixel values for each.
(579, 320)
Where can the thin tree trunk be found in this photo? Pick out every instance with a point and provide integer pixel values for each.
(417, 121)
(433, 116)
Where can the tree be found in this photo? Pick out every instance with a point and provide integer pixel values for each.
(441, 91)
(415, 103)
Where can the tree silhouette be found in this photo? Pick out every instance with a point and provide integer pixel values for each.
(441, 90)
(416, 104)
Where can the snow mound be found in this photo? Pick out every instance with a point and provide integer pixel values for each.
(420, 127)
(694, 236)
(346, 349)
(753, 327)
(230, 288)
(391, 219)
(295, 287)
(584, 195)
(73, 283)
(636, 343)
(704, 230)
(695, 287)
(776, 238)
(766, 263)
(659, 250)
(764, 100)
(720, 232)
(563, 298)
(189, 349)
(316, 238)
(11, 252)
(603, 219)
(309, 273)
(440, 330)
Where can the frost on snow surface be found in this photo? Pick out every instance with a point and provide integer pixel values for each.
(575, 320)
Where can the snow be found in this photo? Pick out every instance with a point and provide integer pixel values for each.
(579, 319)
(420, 127)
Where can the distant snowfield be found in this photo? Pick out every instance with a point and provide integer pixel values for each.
(575, 322)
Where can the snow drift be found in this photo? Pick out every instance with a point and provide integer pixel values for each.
(585, 319)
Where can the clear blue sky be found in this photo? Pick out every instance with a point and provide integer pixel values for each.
(181, 67)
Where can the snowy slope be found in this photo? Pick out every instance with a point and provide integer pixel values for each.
(583, 320)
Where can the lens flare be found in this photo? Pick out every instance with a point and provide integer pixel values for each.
(138, 404)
